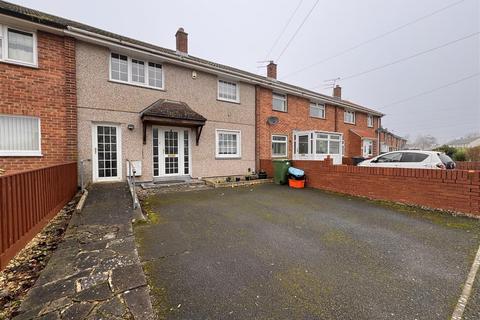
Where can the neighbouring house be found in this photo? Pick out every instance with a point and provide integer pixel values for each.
(390, 141)
(38, 109)
(299, 124)
(467, 142)
(171, 114)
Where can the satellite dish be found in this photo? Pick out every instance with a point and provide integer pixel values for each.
(272, 120)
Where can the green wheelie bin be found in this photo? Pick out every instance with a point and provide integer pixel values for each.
(280, 170)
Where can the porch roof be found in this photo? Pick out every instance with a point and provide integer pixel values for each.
(363, 133)
(172, 113)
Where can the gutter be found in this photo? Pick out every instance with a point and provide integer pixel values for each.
(184, 61)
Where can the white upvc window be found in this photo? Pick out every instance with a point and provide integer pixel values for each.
(370, 121)
(327, 143)
(228, 91)
(279, 145)
(18, 46)
(135, 71)
(349, 116)
(20, 136)
(279, 102)
(228, 143)
(317, 110)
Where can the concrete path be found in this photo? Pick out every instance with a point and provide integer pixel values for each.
(271, 252)
(95, 272)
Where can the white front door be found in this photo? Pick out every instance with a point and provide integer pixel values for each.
(106, 159)
(171, 151)
(367, 147)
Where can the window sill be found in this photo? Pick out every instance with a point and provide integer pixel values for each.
(286, 111)
(228, 158)
(228, 101)
(320, 118)
(352, 123)
(22, 154)
(139, 85)
(19, 63)
(280, 157)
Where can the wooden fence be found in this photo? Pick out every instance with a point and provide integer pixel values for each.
(28, 200)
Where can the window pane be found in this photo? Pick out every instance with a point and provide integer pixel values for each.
(138, 71)
(303, 144)
(228, 143)
(155, 75)
(317, 111)
(334, 147)
(279, 146)
(119, 66)
(322, 147)
(20, 45)
(19, 134)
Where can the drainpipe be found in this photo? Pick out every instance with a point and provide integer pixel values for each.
(257, 145)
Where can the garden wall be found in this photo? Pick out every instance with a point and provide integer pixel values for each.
(454, 190)
(468, 165)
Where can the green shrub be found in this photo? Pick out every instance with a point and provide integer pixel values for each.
(449, 151)
(460, 155)
(473, 154)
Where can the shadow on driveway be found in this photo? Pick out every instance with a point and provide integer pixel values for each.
(272, 252)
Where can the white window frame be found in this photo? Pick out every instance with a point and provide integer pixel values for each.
(312, 146)
(276, 141)
(370, 121)
(239, 144)
(24, 153)
(129, 70)
(4, 38)
(345, 116)
(237, 94)
(318, 106)
(285, 100)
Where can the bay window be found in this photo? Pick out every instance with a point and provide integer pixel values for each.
(315, 145)
(19, 136)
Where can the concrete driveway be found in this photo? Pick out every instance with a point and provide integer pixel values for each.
(271, 252)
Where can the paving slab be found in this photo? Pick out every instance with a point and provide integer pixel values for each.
(95, 265)
(271, 252)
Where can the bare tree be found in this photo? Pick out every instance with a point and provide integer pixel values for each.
(425, 142)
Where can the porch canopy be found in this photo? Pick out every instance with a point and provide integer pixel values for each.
(364, 134)
(172, 113)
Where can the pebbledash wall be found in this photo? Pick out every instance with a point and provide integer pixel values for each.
(453, 190)
(104, 101)
(47, 92)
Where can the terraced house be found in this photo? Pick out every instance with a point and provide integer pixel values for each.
(172, 114)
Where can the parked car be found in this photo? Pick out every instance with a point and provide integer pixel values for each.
(411, 159)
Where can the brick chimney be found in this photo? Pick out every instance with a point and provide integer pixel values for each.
(182, 41)
(272, 70)
(337, 92)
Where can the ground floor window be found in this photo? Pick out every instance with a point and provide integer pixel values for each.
(228, 144)
(315, 145)
(19, 136)
(279, 145)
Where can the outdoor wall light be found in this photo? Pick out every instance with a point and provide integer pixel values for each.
(130, 127)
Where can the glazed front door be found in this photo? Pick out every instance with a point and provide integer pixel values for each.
(171, 152)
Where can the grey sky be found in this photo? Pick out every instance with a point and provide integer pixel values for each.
(240, 33)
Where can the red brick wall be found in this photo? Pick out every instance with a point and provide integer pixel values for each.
(47, 92)
(468, 165)
(298, 118)
(454, 190)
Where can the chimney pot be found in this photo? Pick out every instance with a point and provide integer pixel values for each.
(337, 92)
(272, 70)
(182, 41)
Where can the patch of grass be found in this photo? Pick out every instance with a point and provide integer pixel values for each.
(159, 294)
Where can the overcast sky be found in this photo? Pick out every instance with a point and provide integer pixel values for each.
(241, 33)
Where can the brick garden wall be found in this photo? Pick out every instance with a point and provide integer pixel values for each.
(454, 190)
(47, 92)
(468, 165)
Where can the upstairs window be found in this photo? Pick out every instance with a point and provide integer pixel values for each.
(370, 120)
(349, 117)
(135, 71)
(279, 102)
(19, 136)
(119, 67)
(317, 110)
(228, 91)
(18, 46)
